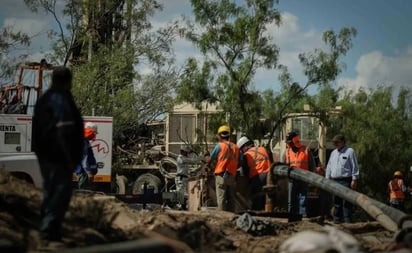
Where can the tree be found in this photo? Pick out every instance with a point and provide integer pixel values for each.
(234, 43)
(320, 67)
(11, 40)
(108, 43)
(66, 33)
(195, 84)
(378, 129)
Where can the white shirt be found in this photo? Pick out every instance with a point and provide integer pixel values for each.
(342, 163)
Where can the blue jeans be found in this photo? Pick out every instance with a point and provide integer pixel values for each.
(342, 208)
(297, 197)
(57, 183)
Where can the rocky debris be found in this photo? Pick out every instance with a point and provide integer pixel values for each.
(255, 226)
(95, 219)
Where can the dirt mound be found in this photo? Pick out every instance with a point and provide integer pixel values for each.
(95, 219)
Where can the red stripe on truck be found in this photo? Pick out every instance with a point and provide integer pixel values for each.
(90, 120)
(24, 119)
(98, 120)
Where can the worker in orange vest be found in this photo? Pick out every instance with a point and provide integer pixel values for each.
(397, 190)
(257, 164)
(300, 157)
(87, 168)
(226, 156)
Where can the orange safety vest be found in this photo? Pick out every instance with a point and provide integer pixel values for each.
(257, 160)
(299, 159)
(228, 158)
(395, 189)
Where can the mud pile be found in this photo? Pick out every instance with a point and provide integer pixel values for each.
(102, 220)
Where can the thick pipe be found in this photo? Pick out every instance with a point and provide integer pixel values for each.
(387, 216)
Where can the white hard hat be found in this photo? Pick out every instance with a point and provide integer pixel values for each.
(91, 125)
(242, 141)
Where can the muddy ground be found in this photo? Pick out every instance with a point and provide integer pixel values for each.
(99, 220)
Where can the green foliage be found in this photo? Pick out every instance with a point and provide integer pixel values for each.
(235, 44)
(108, 45)
(64, 39)
(233, 41)
(110, 87)
(379, 132)
(194, 84)
(320, 67)
(96, 39)
(103, 85)
(11, 40)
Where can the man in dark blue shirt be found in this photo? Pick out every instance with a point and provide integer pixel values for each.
(58, 143)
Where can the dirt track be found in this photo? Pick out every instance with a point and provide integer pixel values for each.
(97, 220)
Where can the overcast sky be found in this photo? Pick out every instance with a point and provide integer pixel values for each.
(382, 51)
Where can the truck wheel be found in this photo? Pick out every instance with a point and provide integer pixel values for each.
(121, 182)
(23, 176)
(149, 179)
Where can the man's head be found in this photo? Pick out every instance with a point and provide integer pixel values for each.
(292, 140)
(339, 141)
(244, 143)
(62, 79)
(224, 132)
(397, 174)
(90, 131)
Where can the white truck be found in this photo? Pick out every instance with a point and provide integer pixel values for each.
(17, 102)
(17, 157)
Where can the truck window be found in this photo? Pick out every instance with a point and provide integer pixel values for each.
(308, 127)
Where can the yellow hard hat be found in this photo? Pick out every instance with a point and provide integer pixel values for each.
(397, 173)
(223, 128)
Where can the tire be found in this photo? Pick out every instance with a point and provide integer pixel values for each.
(23, 176)
(148, 178)
(121, 182)
(168, 167)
